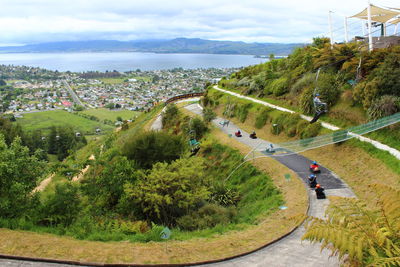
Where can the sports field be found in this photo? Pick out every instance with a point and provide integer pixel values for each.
(107, 114)
(44, 120)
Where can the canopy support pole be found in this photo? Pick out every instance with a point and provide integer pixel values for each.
(371, 46)
(330, 28)
(346, 35)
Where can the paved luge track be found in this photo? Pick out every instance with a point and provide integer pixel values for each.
(289, 251)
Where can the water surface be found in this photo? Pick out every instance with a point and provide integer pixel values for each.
(125, 61)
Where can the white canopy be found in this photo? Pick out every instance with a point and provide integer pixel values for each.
(395, 21)
(378, 14)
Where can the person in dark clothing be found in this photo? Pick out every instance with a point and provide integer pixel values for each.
(312, 180)
(319, 191)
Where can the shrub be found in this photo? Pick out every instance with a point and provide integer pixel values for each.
(290, 124)
(262, 118)
(307, 81)
(207, 216)
(279, 86)
(197, 127)
(169, 191)
(244, 82)
(223, 195)
(170, 116)
(311, 130)
(61, 207)
(242, 111)
(384, 106)
(306, 101)
(209, 115)
(151, 147)
(287, 123)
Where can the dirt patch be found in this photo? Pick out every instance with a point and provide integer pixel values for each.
(43, 184)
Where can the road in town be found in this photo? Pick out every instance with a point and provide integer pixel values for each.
(73, 94)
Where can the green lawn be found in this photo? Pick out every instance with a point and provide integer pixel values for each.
(44, 120)
(104, 113)
(112, 80)
(122, 79)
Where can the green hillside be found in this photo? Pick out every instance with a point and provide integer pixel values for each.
(357, 85)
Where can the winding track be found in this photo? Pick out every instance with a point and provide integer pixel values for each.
(289, 251)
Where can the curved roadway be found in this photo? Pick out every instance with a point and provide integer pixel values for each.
(289, 251)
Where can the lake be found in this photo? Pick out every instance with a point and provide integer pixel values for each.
(125, 61)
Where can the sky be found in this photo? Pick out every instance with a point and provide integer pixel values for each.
(277, 21)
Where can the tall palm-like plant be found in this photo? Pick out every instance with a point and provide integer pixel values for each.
(359, 234)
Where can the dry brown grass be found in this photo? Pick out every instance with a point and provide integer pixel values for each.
(200, 249)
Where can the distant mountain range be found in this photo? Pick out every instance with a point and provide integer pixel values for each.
(178, 45)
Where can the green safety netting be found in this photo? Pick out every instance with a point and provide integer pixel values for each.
(335, 137)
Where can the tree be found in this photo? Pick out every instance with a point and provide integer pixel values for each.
(169, 116)
(19, 173)
(52, 141)
(170, 190)
(151, 147)
(2, 82)
(365, 236)
(78, 108)
(62, 206)
(104, 184)
(110, 105)
(209, 114)
(67, 141)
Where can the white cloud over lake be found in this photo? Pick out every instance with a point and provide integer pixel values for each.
(30, 21)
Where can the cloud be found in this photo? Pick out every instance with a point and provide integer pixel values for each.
(28, 21)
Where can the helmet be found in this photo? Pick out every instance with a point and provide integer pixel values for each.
(314, 162)
(312, 175)
(316, 94)
(318, 186)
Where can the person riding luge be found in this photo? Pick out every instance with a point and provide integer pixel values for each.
(312, 180)
(253, 135)
(319, 191)
(238, 133)
(314, 167)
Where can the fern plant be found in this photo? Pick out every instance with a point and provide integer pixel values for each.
(358, 234)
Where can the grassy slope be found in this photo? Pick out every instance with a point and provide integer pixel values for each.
(103, 114)
(214, 246)
(44, 120)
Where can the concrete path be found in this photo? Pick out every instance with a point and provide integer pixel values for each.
(290, 251)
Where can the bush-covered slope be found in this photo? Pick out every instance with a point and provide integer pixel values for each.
(372, 85)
